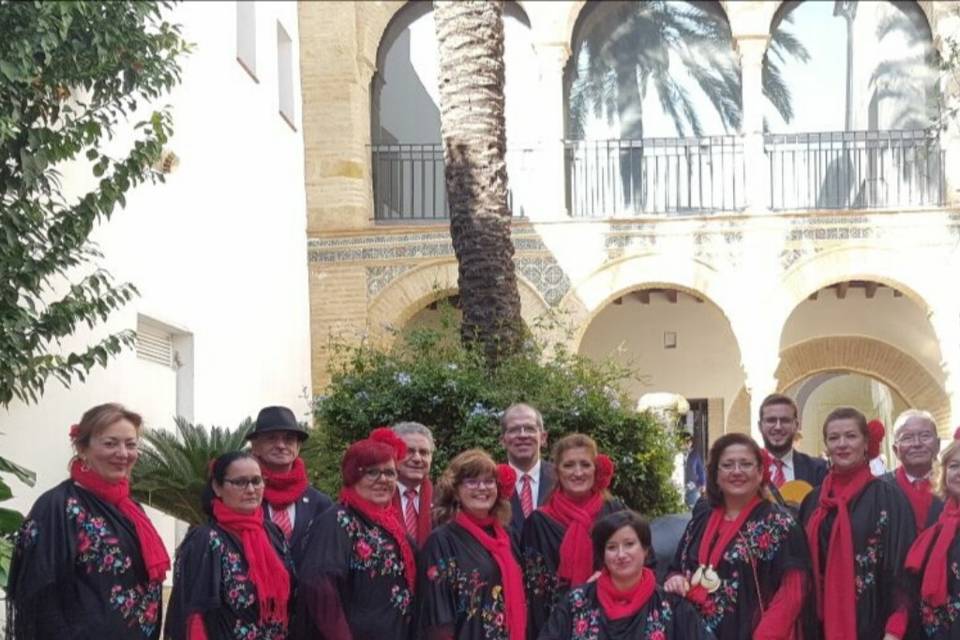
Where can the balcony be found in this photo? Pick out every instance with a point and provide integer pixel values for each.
(855, 170)
(696, 176)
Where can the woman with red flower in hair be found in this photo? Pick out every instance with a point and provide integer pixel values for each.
(358, 570)
(743, 562)
(470, 585)
(557, 550)
(859, 530)
(624, 602)
(934, 557)
(88, 563)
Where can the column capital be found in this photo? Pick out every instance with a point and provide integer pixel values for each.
(752, 48)
(552, 55)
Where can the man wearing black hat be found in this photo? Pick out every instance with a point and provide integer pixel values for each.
(288, 499)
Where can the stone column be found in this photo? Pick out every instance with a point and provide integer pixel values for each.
(552, 179)
(945, 319)
(335, 78)
(946, 30)
(752, 49)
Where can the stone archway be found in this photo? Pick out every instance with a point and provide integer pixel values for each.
(855, 354)
(403, 297)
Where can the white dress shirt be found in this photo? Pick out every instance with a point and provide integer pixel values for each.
(402, 488)
(788, 473)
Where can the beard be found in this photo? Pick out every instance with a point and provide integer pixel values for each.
(778, 450)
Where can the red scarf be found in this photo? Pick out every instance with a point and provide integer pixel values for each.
(424, 520)
(919, 495)
(511, 577)
(837, 612)
(717, 536)
(386, 519)
(265, 567)
(155, 557)
(622, 604)
(576, 549)
(284, 487)
(939, 537)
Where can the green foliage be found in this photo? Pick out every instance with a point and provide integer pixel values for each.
(9, 519)
(173, 467)
(71, 74)
(431, 378)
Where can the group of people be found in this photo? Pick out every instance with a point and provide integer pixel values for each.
(523, 550)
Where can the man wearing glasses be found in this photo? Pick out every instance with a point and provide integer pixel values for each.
(413, 498)
(779, 424)
(916, 445)
(523, 435)
(288, 499)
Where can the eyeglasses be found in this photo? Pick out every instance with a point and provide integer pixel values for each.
(772, 420)
(242, 483)
(522, 430)
(728, 467)
(375, 474)
(476, 483)
(917, 438)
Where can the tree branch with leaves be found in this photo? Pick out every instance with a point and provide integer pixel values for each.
(72, 74)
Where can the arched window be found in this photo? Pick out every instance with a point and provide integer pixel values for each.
(405, 111)
(852, 97)
(653, 97)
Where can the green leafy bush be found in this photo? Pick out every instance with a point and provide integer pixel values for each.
(430, 377)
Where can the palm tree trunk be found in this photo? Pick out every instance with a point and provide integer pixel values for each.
(470, 40)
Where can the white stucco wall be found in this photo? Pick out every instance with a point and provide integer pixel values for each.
(704, 364)
(218, 252)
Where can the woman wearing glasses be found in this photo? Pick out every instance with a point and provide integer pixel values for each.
(358, 570)
(233, 576)
(88, 562)
(557, 549)
(470, 585)
(743, 562)
(859, 530)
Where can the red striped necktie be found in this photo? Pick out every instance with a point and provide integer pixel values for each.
(526, 495)
(281, 518)
(410, 513)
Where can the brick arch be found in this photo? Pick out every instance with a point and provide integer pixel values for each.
(415, 289)
(855, 354)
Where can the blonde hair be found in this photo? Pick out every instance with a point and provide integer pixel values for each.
(96, 420)
(574, 441)
(952, 450)
(472, 463)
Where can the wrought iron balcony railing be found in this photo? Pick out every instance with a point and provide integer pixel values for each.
(674, 176)
(855, 170)
(682, 176)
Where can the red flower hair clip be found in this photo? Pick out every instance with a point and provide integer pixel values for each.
(74, 432)
(876, 430)
(956, 434)
(506, 481)
(604, 472)
(387, 436)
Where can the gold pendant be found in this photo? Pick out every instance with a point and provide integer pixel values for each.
(697, 577)
(710, 580)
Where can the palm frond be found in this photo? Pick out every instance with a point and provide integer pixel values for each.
(172, 470)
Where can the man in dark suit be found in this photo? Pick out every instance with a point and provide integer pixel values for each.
(413, 498)
(288, 499)
(779, 422)
(523, 435)
(916, 445)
